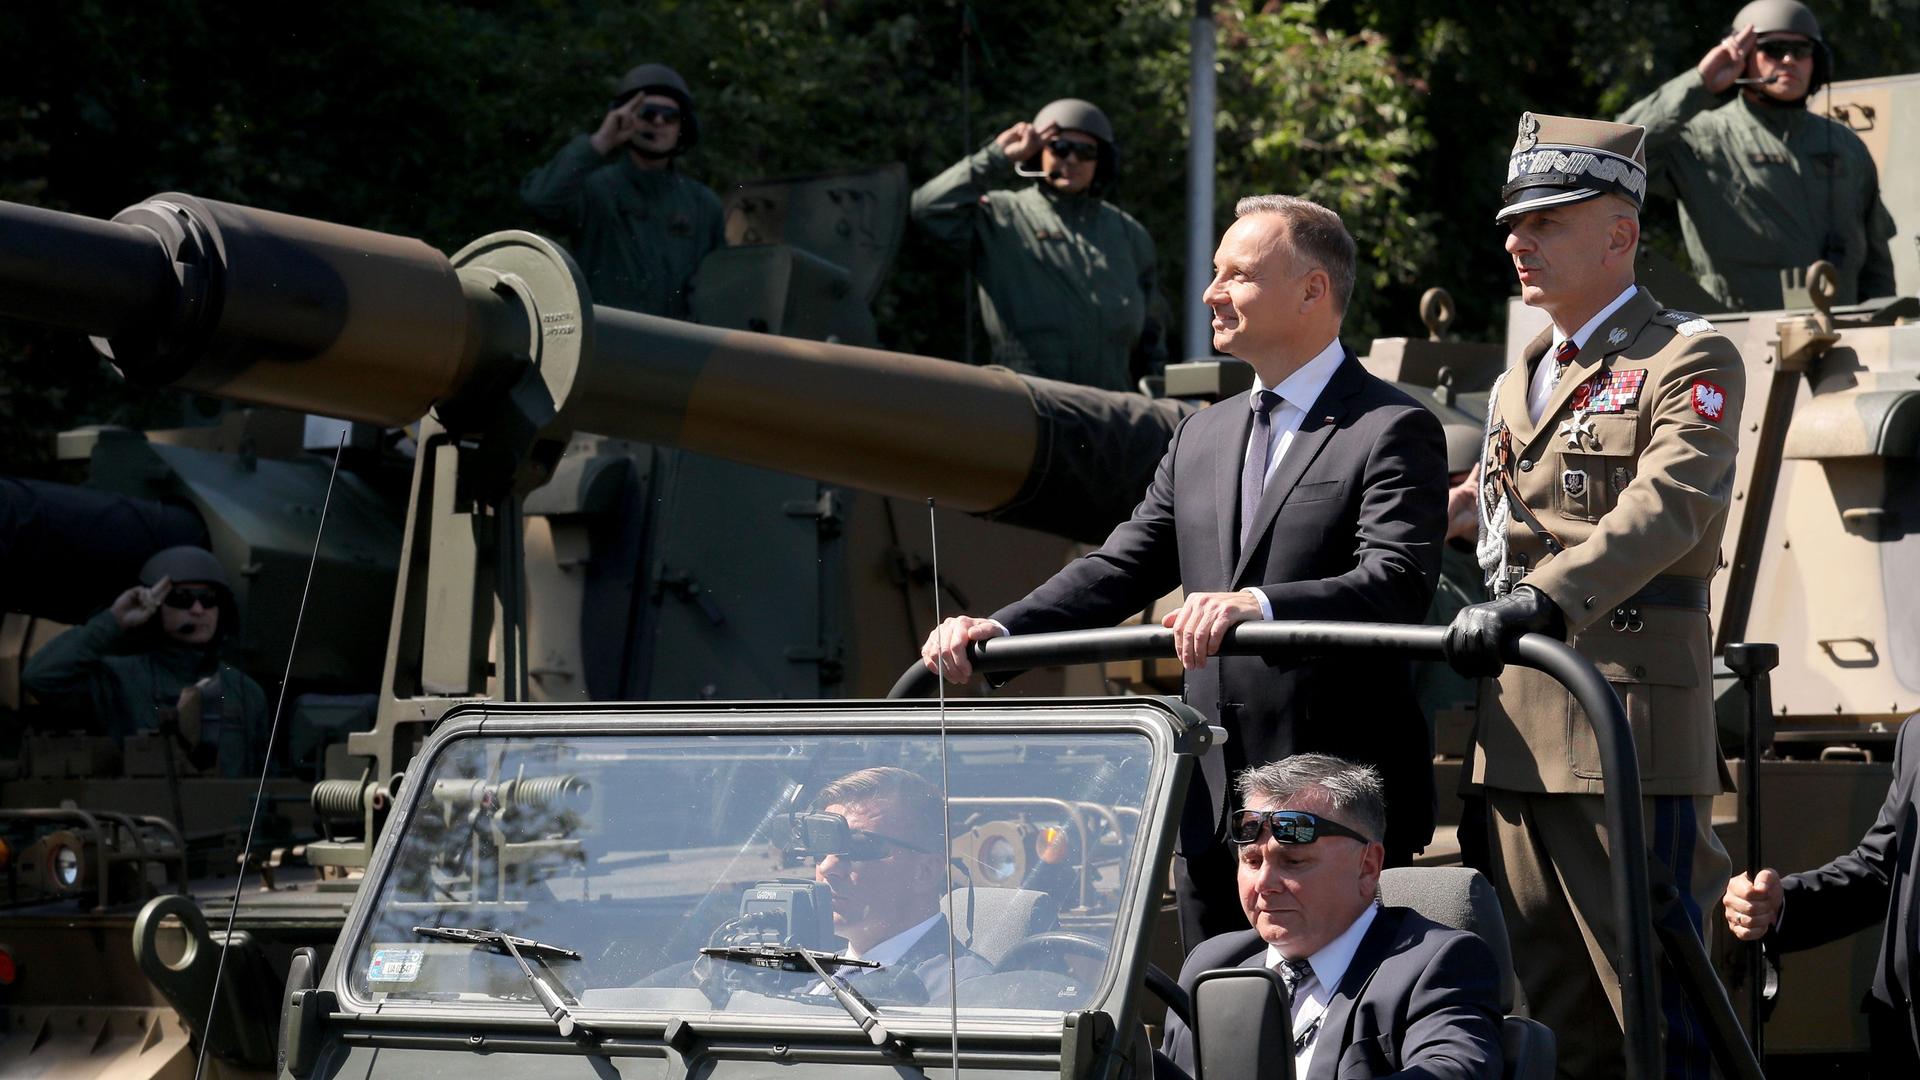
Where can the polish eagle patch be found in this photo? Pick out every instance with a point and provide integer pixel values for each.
(1709, 400)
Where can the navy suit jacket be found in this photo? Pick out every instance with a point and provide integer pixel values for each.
(1875, 882)
(1418, 996)
(1350, 528)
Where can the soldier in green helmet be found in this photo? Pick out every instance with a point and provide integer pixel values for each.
(1765, 184)
(1066, 279)
(151, 661)
(638, 226)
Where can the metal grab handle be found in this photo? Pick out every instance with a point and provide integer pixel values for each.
(1556, 659)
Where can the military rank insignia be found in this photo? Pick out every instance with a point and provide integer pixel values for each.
(1709, 400)
(1609, 391)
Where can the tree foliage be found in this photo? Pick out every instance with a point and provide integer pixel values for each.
(420, 117)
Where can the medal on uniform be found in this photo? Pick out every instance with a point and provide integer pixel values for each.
(1621, 478)
(1575, 428)
(1574, 482)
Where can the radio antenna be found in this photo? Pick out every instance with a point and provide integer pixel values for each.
(266, 763)
(946, 813)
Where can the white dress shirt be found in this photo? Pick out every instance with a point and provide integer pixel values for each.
(1546, 374)
(1314, 995)
(1298, 393)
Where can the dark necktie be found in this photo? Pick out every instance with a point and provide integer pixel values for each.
(1294, 973)
(1253, 477)
(1563, 356)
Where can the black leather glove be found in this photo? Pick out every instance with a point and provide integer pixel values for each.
(1476, 639)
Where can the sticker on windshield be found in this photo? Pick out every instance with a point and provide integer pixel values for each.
(395, 965)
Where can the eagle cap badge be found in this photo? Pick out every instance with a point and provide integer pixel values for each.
(1529, 132)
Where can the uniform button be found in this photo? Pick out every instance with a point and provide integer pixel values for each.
(1526, 464)
(1639, 672)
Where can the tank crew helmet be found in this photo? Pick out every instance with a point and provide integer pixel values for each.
(1078, 114)
(188, 563)
(661, 79)
(1789, 17)
(1561, 160)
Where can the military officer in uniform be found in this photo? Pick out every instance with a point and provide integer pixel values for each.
(1765, 184)
(638, 225)
(1605, 481)
(1066, 279)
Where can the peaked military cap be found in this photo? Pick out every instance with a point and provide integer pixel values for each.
(1559, 160)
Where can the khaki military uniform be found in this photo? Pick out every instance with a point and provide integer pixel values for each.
(1630, 468)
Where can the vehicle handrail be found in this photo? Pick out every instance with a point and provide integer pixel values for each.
(1619, 765)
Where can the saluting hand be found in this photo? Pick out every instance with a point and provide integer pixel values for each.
(1752, 905)
(1726, 61)
(137, 605)
(946, 649)
(617, 126)
(1023, 140)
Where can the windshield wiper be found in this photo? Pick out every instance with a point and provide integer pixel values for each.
(544, 982)
(794, 958)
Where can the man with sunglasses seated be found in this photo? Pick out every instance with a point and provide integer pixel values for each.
(1766, 185)
(1066, 279)
(151, 662)
(1375, 990)
(888, 882)
(638, 227)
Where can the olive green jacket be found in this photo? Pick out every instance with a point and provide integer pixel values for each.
(1760, 188)
(638, 234)
(89, 668)
(1066, 282)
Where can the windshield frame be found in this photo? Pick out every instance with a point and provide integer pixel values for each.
(1170, 728)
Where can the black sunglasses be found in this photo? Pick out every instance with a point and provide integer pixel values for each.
(1781, 49)
(660, 114)
(184, 599)
(818, 835)
(1287, 826)
(1068, 148)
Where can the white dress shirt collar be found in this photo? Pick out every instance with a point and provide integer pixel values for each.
(1331, 962)
(1581, 335)
(1302, 388)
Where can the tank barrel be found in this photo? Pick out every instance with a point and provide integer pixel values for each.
(272, 309)
(888, 422)
(101, 278)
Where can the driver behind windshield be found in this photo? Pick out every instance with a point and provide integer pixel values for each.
(887, 887)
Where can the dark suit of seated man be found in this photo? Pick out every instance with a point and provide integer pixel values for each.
(1376, 990)
(1877, 882)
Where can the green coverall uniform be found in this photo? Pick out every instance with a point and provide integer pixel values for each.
(1760, 187)
(1065, 281)
(638, 234)
(90, 667)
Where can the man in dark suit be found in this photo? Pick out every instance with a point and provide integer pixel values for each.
(1875, 882)
(1321, 495)
(1375, 990)
(887, 889)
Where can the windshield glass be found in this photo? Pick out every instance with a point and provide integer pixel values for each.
(639, 852)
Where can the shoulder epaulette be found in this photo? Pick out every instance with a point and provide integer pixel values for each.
(1684, 323)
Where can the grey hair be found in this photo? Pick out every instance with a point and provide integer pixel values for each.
(1316, 235)
(1354, 792)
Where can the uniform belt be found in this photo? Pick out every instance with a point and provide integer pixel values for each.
(1665, 591)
